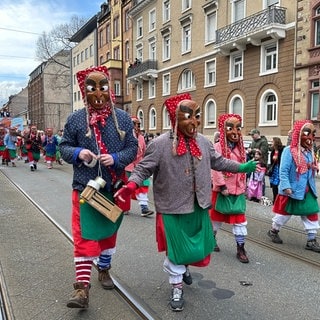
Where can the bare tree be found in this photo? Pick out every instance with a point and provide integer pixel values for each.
(58, 39)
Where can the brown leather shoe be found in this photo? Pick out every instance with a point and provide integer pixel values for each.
(105, 279)
(80, 296)
(241, 253)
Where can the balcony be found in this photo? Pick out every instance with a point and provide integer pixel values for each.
(251, 30)
(145, 70)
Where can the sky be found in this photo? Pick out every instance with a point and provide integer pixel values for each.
(21, 24)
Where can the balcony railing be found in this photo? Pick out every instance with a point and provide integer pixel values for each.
(251, 25)
(143, 68)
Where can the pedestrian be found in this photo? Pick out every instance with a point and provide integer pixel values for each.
(10, 141)
(273, 170)
(33, 142)
(180, 161)
(256, 182)
(49, 145)
(297, 188)
(141, 194)
(98, 140)
(230, 186)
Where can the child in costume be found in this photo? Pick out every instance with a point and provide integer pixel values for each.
(180, 162)
(50, 144)
(230, 185)
(297, 188)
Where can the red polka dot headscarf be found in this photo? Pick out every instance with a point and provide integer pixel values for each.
(295, 146)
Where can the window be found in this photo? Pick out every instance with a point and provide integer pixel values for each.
(152, 50)
(269, 108)
(186, 81)
(91, 50)
(139, 89)
(117, 88)
(210, 73)
(236, 66)
(86, 53)
(315, 87)
(141, 118)
(316, 20)
(186, 4)
(269, 3)
(210, 114)
(152, 88)
(100, 38)
(152, 118)
(210, 27)
(127, 20)
(139, 28)
(101, 59)
(166, 47)
(269, 58)
(238, 10)
(236, 106)
(166, 118)
(116, 53)
(116, 31)
(152, 20)
(127, 50)
(139, 52)
(108, 33)
(166, 10)
(186, 39)
(166, 84)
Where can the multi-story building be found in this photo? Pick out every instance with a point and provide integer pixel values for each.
(83, 55)
(49, 92)
(231, 56)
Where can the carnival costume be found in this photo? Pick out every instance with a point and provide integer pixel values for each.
(33, 144)
(100, 132)
(230, 185)
(181, 161)
(50, 144)
(297, 188)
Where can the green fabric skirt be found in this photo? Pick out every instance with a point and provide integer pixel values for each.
(189, 237)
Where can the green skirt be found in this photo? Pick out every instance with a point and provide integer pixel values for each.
(189, 237)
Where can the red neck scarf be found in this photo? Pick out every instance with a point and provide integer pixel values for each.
(193, 146)
(96, 116)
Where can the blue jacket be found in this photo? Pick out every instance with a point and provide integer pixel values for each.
(290, 179)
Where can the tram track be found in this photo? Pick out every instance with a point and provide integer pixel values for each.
(136, 305)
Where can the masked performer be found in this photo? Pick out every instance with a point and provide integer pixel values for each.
(33, 143)
(297, 188)
(98, 140)
(230, 186)
(180, 162)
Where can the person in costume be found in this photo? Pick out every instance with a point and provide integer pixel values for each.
(33, 143)
(230, 184)
(50, 144)
(180, 161)
(10, 141)
(297, 193)
(98, 141)
(141, 193)
(2, 145)
(58, 136)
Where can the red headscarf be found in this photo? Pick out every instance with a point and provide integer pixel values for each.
(179, 143)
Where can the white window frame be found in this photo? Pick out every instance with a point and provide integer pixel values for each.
(268, 57)
(152, 88)
(117, 88)
(238, 9)
(166, 82)
(210, 71)
(187, 81)
(166, 119)
(152, 20)
(210, 27)
(166, 48)
(236, 66)
(139, 52)
(314, 99)
(152, 118)
(139, 28)
(269, 3)
(268, 109)
(210, 113)
(185, 5)
(186, 39)
(233, 105)
(166, 11)
(152, 49)
(316, 19)
(139, 91)
(140, 116)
